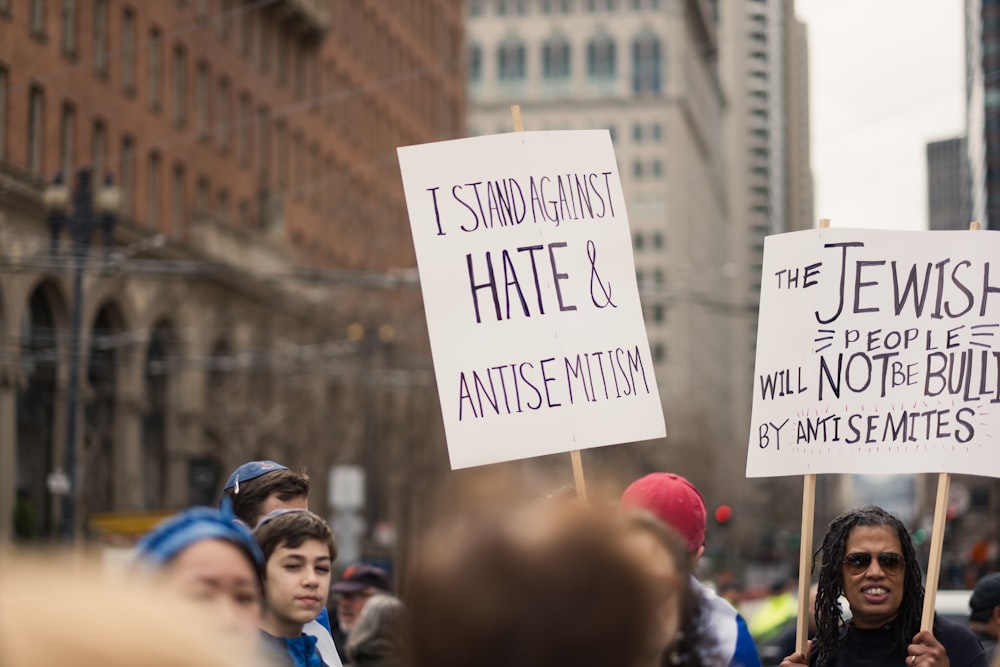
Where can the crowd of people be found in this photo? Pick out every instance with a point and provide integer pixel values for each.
(549, 582)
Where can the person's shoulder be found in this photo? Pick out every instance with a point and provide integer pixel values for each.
(961, 643)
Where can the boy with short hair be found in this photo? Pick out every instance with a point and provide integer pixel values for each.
(299, 551)
(259, 487)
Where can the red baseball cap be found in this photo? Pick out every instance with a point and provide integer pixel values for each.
(674, 500)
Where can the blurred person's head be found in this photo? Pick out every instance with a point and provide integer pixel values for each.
(356, 586)
(207, 556)
(105, 622)
(376, 639)
(679, 636)
(868, 557)
(673, 500)
(257, 488)
(299, 551)
(552, 584)
(984, 605)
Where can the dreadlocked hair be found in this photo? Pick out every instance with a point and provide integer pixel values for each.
(829, 618)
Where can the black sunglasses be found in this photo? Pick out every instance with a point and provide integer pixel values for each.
(891, 563)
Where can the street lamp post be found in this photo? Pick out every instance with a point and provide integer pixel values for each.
(82, 214)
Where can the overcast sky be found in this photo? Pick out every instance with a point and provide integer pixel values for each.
(886, 77)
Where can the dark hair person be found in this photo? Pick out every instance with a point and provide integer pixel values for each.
(868, 557)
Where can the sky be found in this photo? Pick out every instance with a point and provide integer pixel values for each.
(886, 77)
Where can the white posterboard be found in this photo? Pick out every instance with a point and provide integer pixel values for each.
(525, 260)
(877, 352)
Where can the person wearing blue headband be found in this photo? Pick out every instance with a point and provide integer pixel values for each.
(208, 556)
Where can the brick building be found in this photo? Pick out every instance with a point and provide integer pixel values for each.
(260, 299)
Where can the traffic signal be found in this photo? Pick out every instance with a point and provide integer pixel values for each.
(723, 513)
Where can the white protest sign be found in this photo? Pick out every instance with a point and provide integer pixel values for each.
(877, 352)
(525, 261)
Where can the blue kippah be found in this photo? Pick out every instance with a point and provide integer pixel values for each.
(251, 470)
(180, 531)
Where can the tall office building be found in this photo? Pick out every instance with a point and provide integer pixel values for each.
(947, 184)
(764, 68)
(254, 304)
(646, 70)
(982, 99)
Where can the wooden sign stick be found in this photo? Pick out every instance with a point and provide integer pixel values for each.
(805, 547)
(578, 481)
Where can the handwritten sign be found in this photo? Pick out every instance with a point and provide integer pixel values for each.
(525, 261)
(877, 352)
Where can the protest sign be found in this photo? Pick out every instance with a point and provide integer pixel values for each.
(877, 352)
(525, 260)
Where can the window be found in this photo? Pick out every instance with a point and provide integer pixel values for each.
(264, 140)
(646, 65)
(656, 131)
(637, 169)
(201, 84)
(155, 68)
(601, 55)
(35, 130)
(657, 240)
(67, 141)
(3, 113)
(246, 33)
(658, 312)
(226, 22)
(222, 206)
(299, 66)
(313, 186)
(264, 45)
(475, 63)
(101, 38)
(67, 41)
(128, 50)
(243, 133)
(99, 150)
(201, 196)
(637, 132)
(177, 201)
(126, 179)
(281, 58)
(656, 167)
(297, 167)
(638, 242)
(178, 85)
(153, 191)
(225, 120)
(555, 58)
(281, 156)
(36, 17)
(510, 61)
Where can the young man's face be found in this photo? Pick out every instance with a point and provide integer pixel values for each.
(875, 592)
(296, 585)
(218, 576)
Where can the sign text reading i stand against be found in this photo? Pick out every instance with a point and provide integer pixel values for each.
(526, 268)
(878, 352)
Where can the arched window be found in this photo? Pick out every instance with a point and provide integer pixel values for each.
(511, 60)
(555, 58)
(602, 58)
(647, 65)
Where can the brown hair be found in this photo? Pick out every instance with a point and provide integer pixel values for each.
(248, 503)
(512, 593)
(290, 528)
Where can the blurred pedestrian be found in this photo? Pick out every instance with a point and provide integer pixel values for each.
(780, 607)
(376, 638)
(357, 584)
(868, 556)
(62, 613)
(984, 619)
(257, 488)
(206, 555)
(299, 552)
(680, 631)
(548, 586)
(676, 502)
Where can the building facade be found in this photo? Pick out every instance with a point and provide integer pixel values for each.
(259, 298)
(947, 184)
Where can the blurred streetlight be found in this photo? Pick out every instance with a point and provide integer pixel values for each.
(81, 212)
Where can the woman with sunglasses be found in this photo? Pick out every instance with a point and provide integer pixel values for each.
(868, 557)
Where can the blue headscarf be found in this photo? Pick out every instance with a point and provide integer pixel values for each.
(180, 531)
